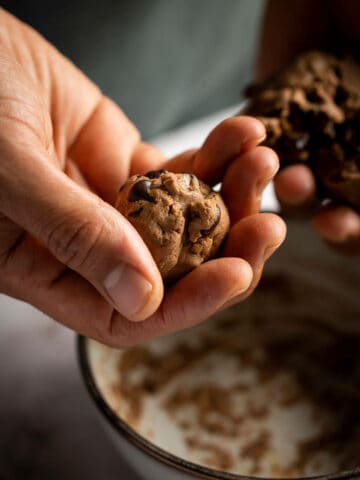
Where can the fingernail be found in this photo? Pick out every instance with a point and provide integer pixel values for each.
(128, 290)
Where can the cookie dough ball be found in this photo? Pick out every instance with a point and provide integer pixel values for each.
(311, 111)
(181, 219)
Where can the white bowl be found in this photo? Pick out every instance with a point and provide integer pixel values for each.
(310, 298)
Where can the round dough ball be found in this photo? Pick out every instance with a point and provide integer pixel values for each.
(181, 219)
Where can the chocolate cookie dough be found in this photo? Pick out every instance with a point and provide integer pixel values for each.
(181, 219)
(311, 111)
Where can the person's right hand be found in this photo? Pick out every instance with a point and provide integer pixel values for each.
(64, 151)
(338, 225)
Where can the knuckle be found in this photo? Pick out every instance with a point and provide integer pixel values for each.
(73, 242)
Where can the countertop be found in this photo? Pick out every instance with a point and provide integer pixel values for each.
(48, 425)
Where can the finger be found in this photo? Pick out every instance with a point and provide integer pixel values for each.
(246, 179)
(255, 239)
(70, 299)
(340, 227)
(192, 300)
(30, 273)
(146, 157)
(230, 138)
(212, 286)
(295, 187)
(104, 147)
(81, 231)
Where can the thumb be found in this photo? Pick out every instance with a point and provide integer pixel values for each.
(81, 231)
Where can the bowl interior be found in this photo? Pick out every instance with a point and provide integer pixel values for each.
(269, 388)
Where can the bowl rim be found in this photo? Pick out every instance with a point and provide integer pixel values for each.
(157, 453)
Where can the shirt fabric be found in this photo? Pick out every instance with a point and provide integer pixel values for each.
(164, 62)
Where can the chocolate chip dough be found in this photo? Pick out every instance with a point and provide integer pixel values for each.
(311, 111)
(181, 219)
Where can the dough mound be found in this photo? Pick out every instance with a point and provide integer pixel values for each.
(181, 219)
(311, 111)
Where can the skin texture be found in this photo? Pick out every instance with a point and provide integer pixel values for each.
(330, 25)
(65, 150)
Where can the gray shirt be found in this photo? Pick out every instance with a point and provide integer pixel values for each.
(163, 61)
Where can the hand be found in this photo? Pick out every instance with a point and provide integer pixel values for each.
(338, 225)
(65, 149)
(295, 186)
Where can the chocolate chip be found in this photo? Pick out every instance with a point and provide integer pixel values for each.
(338, 72)
(314, 96)
(319, 122)
(155, 173)
(341, 95)
(296, 117)
(272, 113)
(140, 191)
